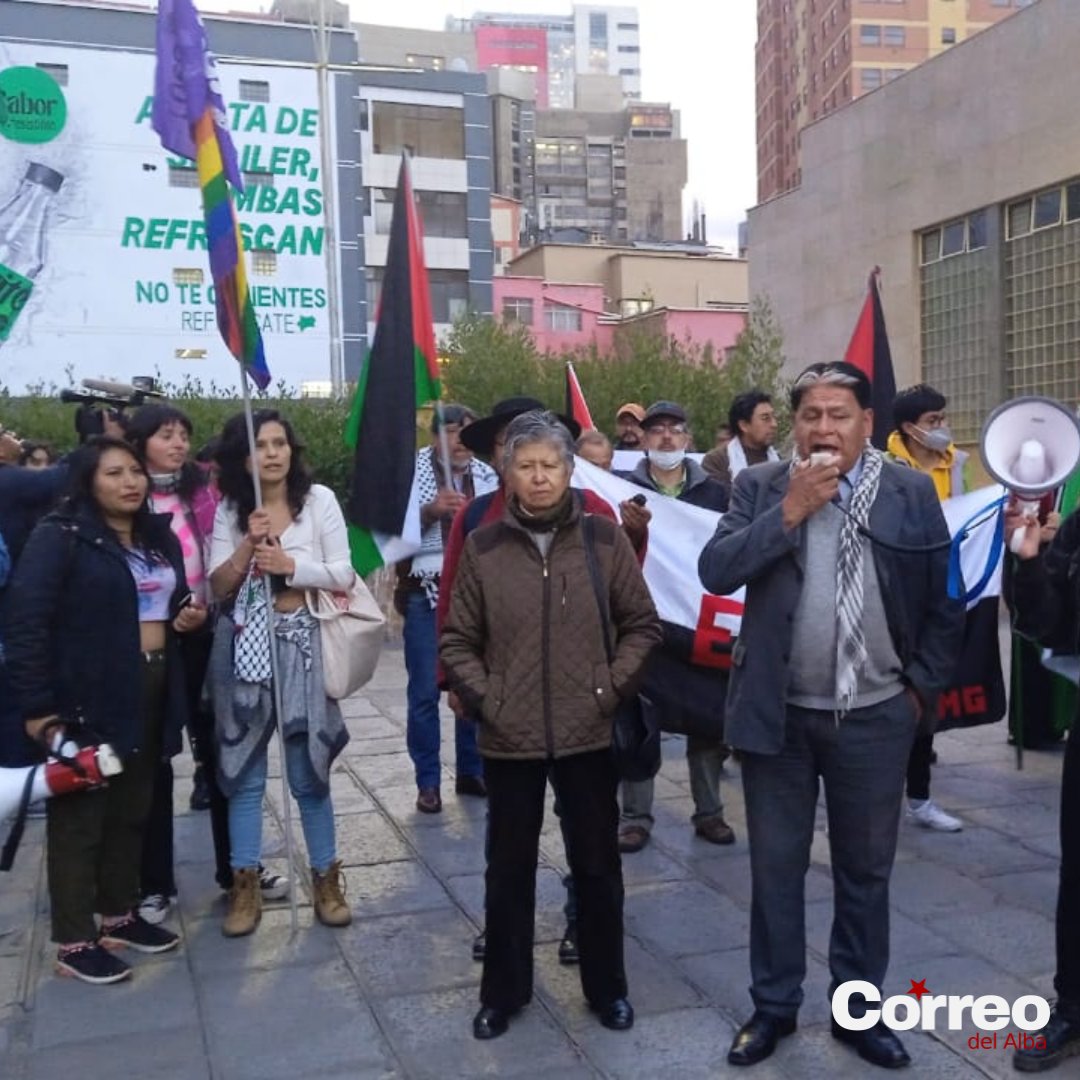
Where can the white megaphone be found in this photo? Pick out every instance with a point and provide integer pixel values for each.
(95, 764)
(1031, 445)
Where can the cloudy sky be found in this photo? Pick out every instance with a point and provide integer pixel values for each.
(699, 55)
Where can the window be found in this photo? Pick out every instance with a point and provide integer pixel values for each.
(627, 26)
(1048, 208)
(893, 73)
(363, 114)
(258, 179)
(952, 238)
(895, 36)
(518, 309)
(425, 130)
(187, 275)
(869, 34)
(423, 60)
(254, 90)
(598, 29)
(263, 262)
(629, 48)
(930, 247)
(449, 294)
(58, 71)
(373, 279)
(1072, 202)
(557, 317)
(870, 78)
(948, 35)
(442, 213)
(183, 176)
(977, 230)
(1019, 218)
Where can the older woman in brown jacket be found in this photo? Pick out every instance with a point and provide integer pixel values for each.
(523, 647)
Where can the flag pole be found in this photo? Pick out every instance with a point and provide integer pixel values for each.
(444, 445)
(275, 675)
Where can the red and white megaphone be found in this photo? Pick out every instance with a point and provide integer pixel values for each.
(1031, 445)
(83, 768)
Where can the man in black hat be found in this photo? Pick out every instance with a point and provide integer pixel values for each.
(689, 696)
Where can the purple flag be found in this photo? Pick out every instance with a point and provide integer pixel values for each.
(186, 85)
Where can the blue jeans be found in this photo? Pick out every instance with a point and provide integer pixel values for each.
(316, 810)
(422, 727)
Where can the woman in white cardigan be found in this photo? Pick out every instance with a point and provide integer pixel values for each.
(296, 541)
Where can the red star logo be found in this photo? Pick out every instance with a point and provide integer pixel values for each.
(918, 988)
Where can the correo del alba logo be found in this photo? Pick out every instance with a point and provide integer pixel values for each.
(920, 1008)
(32, 105)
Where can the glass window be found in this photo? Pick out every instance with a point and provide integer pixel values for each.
(948, 35)
(893, 73)
(1048, 208)
(896, 36)
(1019, 218)
(557, 317)
(449, 294)
(263, 262)
(518, 309)
(869, 34)
(424, 130)
(187, 275)
(1072, 202)
(184, 176)
(953, 237)
(870, 78)
(977, 230)
(931, 246)
(254, 90)
(258, 179)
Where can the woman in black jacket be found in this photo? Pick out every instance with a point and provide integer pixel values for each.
(93, 608)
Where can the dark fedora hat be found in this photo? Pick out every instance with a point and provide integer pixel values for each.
(479, 436)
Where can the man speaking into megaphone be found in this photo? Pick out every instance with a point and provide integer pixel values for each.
(1046, 607)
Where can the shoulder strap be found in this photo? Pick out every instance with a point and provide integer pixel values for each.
(588, 531)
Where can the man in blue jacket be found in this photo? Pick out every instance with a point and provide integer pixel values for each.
(847, 638)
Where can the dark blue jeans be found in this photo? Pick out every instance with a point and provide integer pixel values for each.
(423, 737)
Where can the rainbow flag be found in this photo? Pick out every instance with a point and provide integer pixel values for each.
(189, 116)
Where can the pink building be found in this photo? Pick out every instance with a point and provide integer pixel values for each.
(563, 316)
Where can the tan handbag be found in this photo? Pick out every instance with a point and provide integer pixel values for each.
(351, 629)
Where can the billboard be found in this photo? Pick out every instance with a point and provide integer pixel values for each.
(103, 263)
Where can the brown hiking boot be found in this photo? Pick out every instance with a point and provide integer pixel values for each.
(245, 903)
(329, 896)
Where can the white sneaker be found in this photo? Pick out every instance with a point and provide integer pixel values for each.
(154, 908)
(272, 886)
(927, 814)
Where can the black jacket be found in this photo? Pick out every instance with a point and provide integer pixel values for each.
(1044, 592)
(25, 495)
(72, 632)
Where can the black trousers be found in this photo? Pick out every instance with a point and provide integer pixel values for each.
(918, 769)
(94, 838)
(157, 874)
(1067, 980)
(585, 785)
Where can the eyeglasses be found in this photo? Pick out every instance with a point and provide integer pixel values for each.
(670, 429)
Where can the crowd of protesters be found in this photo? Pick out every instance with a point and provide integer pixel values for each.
(152, 590)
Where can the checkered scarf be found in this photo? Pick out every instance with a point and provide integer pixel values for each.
(850, 641)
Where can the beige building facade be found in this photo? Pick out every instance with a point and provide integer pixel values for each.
(636, 280)
(961, 179)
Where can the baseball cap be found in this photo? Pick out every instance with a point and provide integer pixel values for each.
(634, 410)
(665, 409)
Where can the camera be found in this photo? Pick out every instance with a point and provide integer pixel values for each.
(97, 398)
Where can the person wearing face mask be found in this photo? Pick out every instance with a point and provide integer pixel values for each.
(689, 697)
(923, 441)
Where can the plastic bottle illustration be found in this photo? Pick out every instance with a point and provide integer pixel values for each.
(23, 221)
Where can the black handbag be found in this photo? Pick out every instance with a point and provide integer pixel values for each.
(635, 731)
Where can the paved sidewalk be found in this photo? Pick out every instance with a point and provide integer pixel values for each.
(393, 995)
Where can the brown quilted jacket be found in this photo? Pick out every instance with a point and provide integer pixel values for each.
(523, 644)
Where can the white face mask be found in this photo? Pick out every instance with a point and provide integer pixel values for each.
(667, 459)
(937, 439)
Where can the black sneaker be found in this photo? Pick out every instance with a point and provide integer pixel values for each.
(568, 947)
(200, 790)
(138, 934)
(92, 964)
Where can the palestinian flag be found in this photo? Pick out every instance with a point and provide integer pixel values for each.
(401, 375)
(869, 351)
(576, 405)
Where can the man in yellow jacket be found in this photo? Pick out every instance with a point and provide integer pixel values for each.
(922, 439)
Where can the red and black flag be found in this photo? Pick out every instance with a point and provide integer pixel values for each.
(400, 375)
(576, 405)
(869, 351)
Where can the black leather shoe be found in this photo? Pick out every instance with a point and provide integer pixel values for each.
(757, 1038)
(479, 946)
(490, 1023)
(568, 950)
(618, 1015)
(1060, 1039)
(471, 785)
(878, 1045)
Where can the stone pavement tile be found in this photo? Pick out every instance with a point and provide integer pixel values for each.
(192, 838)
(1033, 890)
(28, 869)
(1017, 823)
(409, 954)
(272, 945)
(174, 1053)
(468, 890)
(432, 1035)
(377, 726)
(358, 707)
(1010, 938)
(291, 1022)
(922, 888)
(385, 770)
(1013, 782)
(395, 888)
(456, 848)
(366, 839)
(725, 979)
(976, 851)
(681, 918)
(18, 908)
(198, 895)
(730, 873)
(372, 748)
(399, 801)
(651, 864)
(347, 794)
(159, 996)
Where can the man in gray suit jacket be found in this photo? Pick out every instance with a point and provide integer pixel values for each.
(866, 637)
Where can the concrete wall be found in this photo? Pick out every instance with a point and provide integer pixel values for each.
(991, 118)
